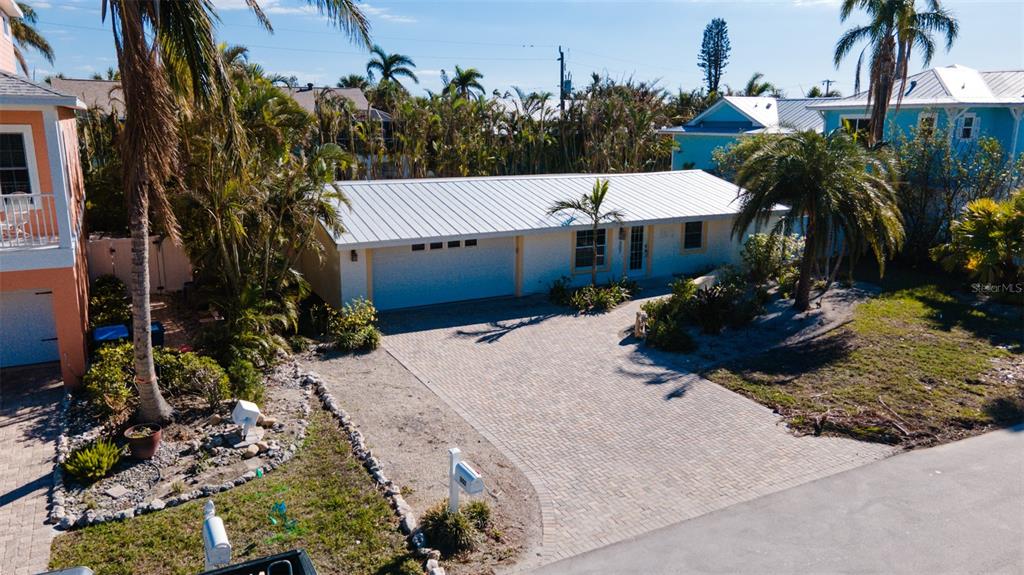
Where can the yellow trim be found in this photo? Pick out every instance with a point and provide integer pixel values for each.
(572, 257)
(519, 266)
(703, 238)
(650, 249)
(369, 274)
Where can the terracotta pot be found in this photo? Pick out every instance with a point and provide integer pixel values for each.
(143, 440)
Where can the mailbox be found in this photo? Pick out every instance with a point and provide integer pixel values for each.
(217, 548)
(469, 480)
(246, 414)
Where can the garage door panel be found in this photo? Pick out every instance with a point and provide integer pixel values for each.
(406, 278)
(28, 333)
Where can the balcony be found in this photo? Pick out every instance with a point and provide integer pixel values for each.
(28, 221)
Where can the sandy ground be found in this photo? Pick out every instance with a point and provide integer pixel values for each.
(410, 430)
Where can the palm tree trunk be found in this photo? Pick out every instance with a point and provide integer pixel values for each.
(803, 286)
(152, 406)
(593, 257)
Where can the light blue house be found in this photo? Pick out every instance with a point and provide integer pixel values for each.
(733, 117)
(963, 101)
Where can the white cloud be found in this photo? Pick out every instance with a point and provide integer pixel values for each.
(41, 5)
(385, 14)
(427, 72)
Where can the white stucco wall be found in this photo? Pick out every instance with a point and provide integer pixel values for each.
(353, 274)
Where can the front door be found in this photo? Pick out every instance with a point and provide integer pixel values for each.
(637, 251)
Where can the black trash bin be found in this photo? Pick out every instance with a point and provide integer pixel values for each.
(294, 562)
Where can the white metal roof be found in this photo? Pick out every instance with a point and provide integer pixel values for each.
(768, 115)
(395, 212)
(948, 85)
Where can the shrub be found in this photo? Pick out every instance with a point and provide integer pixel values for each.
(109, 303)
(408, 566)
(188, 373)
(767, 257)
(669, 333)
(710, 308)
(478, 513)
(246, 381)
(561, 291)
(450, 533)
(108, 383)
(354, 327)
(93, 462)
(590, 298)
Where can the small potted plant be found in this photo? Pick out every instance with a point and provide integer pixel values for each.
(143, 440)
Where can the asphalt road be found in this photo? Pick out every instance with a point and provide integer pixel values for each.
(956, 508)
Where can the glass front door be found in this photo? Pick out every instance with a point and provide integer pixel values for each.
(637, 250)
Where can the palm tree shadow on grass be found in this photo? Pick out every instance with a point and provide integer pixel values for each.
(786, 363)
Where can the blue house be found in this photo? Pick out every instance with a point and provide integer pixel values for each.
(963, 101)
(733, 117)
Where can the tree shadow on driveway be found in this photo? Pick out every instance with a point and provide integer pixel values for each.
(496, 330)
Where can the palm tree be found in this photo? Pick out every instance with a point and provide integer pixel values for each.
(896, 28)
(25, 36)
(354, 81)
(756, 87)
(590, 206)
(834, 188)
(390, 67)
(816, 92)
(153, 38)
(465, 82)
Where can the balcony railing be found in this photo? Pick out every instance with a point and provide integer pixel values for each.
(27, 221)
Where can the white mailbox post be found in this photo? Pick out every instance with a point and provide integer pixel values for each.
(246, 414)
(216, 546)
(461, 477)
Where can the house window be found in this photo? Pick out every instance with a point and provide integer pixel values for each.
(14, 169)
(859, 127)
(693, 235)
(454, 244)
(436, 245)
(470, 243)
(584, 257)
(926, 123)
(968, 127)
(418, 247)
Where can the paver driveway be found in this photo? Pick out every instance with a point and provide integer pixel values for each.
(615, 439)
(29, 397)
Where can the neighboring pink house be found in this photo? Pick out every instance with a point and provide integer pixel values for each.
(43, 277)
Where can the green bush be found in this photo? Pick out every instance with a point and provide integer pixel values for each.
(108, 383)
(669, 333)
(561, 291)
(590, 298)
(767, 257)
(246, 381)
(109, 303)
(711, 307)
(478, 513)
(407, 567)
(188, 373)
(450, 533)
(354, 327)
(93, 462)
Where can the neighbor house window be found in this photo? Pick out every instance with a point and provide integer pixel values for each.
(14, 168)
(418, 247)
(968, 127)
(859, 127)
(693, 235)
(436, 245)
(454, 244)
(585, 248)
(470, 243)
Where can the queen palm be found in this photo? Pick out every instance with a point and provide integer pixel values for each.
(758, 86)
(465, 82)
(166, 56)
(895, 29)
(25, 35)
(591, 207)
(354, 81)
(832, 188)
(390, 67)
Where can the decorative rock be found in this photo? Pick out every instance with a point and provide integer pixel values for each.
(432, 564)
(214, 420)
(250, 451)
(267, 422)
(116, 491)
(126, 514)
(434, 554)
(157, 504)
(248, 476)
(262, 446)
(408, 523)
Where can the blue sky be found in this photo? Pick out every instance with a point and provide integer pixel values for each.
(515, 43)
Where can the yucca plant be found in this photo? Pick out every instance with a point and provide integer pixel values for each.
(93, 462)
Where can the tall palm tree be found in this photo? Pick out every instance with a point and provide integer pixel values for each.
(757, 86)
(465, 82)
(834, 188)
(390, 67)
(591, 207)
(896, 27)
(354, 81)
(25, 36)
(166, 52)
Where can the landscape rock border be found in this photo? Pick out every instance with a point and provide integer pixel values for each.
(406, 517)
(61, 519)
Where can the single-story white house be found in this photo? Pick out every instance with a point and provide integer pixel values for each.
(418, 242)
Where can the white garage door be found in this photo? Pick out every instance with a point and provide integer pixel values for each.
(28, 333)
(404, 277)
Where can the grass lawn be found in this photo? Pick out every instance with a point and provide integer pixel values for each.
(343, 522)
(916, 366)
